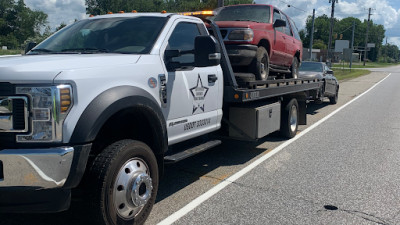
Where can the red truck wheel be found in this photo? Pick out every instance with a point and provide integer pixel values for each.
(295, 68)
(260, 66)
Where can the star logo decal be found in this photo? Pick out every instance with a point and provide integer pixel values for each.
(199, 93)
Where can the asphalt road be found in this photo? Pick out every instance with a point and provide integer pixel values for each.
(344, 171)
(275, 191)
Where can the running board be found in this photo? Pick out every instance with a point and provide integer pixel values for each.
(191, 151)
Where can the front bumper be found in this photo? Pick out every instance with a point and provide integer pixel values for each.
(40, 168)
(40, 180)
(242, 54)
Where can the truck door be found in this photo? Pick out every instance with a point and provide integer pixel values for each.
(194, 101)
(278, 51)
(290, 42)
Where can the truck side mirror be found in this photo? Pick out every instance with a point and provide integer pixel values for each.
(29, 46)
(329, 71)
(279, 23)
(207, 51)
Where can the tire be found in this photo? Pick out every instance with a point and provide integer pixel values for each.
(294, 68)
(260, 65)
(333, 100)
(289, 119)
(242, 79)
(119, 169)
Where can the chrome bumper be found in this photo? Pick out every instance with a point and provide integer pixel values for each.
(38, 168)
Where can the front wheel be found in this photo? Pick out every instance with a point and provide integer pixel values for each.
(294, 68)
(289, 119)
(334, 99)
(260, 66)
(123, 184)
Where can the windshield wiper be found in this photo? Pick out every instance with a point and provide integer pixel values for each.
(85, 50)
(41, 50)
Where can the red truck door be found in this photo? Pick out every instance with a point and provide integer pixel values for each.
(290, 42)
(278, 51)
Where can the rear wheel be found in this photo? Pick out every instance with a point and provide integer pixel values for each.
(289, 119)
(260, 66)
(243, 78)
(123, 184)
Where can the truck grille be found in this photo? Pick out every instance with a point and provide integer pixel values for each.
(19, 114)
(6, 89)
(13, 114)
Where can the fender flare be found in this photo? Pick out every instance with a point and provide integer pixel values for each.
(112, 101)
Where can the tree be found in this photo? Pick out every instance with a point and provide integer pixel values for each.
(343, 28)
(390, 53)
(19, 23)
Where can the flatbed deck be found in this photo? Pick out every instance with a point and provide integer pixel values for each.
(269, 89)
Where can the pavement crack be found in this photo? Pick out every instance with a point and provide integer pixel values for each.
(366, 216)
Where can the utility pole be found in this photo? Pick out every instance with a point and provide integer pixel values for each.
(366, 37)
(312, 33)
(329, 57)
(352, 44)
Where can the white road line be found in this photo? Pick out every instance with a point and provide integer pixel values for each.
(196, 202)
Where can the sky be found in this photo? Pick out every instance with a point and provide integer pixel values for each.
(385, 12)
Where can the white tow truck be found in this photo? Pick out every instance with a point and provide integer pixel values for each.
(107, 101)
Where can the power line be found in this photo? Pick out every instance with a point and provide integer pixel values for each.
(290, 5)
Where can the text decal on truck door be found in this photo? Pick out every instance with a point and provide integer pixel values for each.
(199, 93)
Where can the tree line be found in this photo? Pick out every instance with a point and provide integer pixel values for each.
(18, 23)
(99, 7)
(343, 31)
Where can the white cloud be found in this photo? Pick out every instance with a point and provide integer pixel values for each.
(394, 41)
(59, 11)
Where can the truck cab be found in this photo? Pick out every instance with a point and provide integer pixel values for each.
(99, 84)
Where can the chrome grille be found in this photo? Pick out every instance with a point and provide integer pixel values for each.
(13, 114)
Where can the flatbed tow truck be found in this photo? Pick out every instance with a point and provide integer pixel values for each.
(104, 103)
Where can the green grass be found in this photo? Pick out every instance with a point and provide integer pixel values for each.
(367, 65)
(345, 74)
(9, 52)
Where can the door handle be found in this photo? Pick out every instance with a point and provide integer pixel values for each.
(163, 90)
(212, 78)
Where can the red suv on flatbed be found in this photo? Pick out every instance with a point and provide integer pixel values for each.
(262, 38)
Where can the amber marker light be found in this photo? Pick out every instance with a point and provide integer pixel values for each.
(109, 13)
(121, 12)
(207, 13)
(91, 16)
(65, 99)
(163, 11)
(134, 11)
(236, 96)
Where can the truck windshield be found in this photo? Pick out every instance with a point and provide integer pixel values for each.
(255, 13)
(105, 35)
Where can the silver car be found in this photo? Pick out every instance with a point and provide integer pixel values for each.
(319, 70)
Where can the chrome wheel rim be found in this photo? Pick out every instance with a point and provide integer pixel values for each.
(132, 188)
(295, 67)
(293, 118)
(263, 68)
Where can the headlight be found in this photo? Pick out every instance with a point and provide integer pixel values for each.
(49, 106)
(241, 35)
